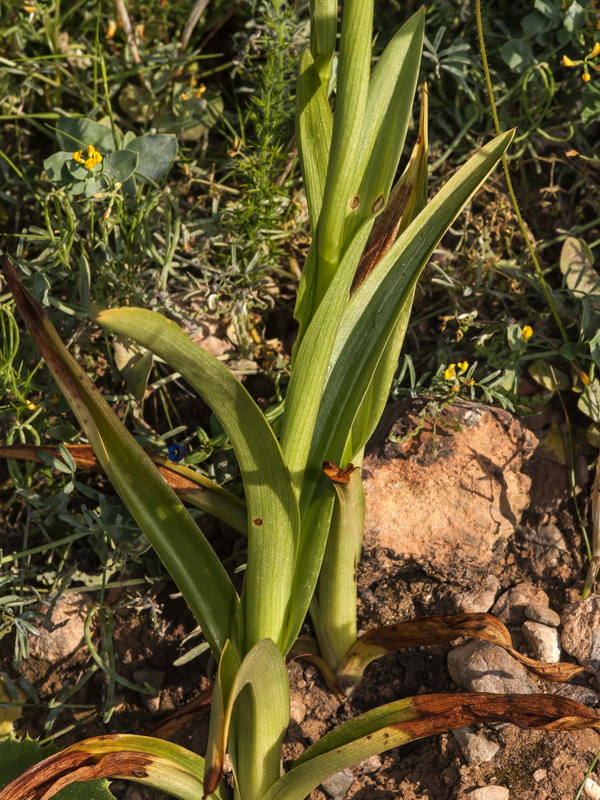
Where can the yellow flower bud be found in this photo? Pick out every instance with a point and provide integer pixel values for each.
(595, 50)
(567, 62)
(200, 91)
(586, 77)
(183, 96)
(90, 150)
(571, 153)
(526, 332)
(77, 156)
(450, 372)
(112, 29)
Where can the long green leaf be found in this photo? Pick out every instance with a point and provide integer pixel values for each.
(323, 28)
(314, 123)
(180, 544)
(415, 717)
(388, 112)
(350, 103)
(273, 518)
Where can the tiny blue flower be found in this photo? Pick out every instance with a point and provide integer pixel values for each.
(175, 452)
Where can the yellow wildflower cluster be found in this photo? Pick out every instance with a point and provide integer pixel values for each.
(585, 75)
(452, 373)
(93, 157)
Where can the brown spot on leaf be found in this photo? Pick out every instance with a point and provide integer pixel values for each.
(258, 522)
(355, 202)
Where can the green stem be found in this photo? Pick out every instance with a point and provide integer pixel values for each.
(337, 580)
(509, 183)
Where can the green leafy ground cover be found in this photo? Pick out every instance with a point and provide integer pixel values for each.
(197, 209)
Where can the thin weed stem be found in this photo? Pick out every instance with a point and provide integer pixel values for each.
(509, 183)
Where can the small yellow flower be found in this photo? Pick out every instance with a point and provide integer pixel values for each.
(31, 406)
(463, 366)
(567, 62)
(450, 372)
(112, 29)
(200, 91)
(526, 332)
(586, 77)
(183, 96)
(571, 153)
(78, 156)
(595, 50)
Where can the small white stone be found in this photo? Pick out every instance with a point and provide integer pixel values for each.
(297, 708)
(372, 764)
(490, 793)
(543, 640)
(592, 789)
(474, 746)
(540, 775)
(337, 786)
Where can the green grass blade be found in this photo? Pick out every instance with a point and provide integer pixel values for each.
(180, 544)
(273, 518)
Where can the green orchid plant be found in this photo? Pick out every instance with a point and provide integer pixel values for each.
(303, 511)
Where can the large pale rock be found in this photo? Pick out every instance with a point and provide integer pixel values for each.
(581, 631)
(484, 667)
(444, 500)
(62, 634)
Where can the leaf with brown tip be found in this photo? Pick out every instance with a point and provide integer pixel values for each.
(433, 630)
(153, 762)
(403, 721)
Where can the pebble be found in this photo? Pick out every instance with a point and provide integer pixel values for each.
(475, 748)
(337, 786)
(66, 626)
(297, 708)
(592, 789)
(581, 694)
(510, 606)
(546, 547)
(543, 615)
(580, 636)
(544, 641)
(489, 793)
(479, 599)
(372, 764)
(540, 775)
(485, 667)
